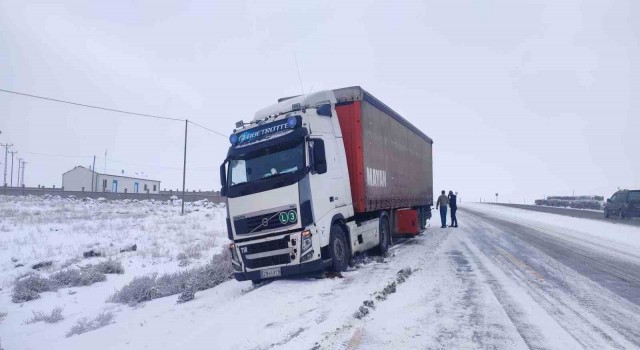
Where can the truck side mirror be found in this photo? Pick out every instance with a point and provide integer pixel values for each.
(324, 110)
(223, 179)
(319, 157)
(608, 200)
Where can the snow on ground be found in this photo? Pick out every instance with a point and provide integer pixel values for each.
(36, 229)
(595, 232)
(506, 279)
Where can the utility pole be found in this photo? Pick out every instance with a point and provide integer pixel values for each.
(93, 172)
(19, 167)
(23, 163)
(13, 153)
(184, 165)
(6, 154)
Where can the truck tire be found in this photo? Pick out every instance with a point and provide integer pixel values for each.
(339, 249)
(385, 234)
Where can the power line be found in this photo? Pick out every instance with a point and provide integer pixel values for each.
(204, 127)
(111, 110)
(90, 106)
(184, 166)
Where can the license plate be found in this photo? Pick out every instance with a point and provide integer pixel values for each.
(270, 273)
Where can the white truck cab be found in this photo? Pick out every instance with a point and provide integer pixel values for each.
(286, 179)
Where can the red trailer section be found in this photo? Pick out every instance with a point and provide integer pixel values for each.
(389, 159)
(407, 222)
(350, 124)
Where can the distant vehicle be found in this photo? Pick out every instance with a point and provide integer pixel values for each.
(315, 179)
(624, 204)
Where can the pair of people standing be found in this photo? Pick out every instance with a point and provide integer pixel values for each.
(443, 202)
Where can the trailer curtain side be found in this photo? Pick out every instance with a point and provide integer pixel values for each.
(389, 160)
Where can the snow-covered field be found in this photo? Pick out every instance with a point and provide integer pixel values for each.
(60, 230)
(506, 279)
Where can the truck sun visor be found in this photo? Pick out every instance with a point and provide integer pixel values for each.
(266, 131)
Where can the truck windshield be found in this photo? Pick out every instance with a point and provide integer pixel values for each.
(268, 163)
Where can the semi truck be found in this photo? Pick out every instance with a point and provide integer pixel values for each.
(314, 180)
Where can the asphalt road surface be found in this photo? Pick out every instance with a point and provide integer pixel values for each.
(576, 213)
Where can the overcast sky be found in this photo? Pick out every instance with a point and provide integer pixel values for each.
(522, 98)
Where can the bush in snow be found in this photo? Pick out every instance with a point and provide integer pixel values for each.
(187, 295)
(76, 278)
(85, 325)
(110, 267)
(189, 282)
(54, 316)
(3, 314)
(30, 286)
(138, 290)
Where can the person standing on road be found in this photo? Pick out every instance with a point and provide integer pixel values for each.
(442, 203)
(454, 208)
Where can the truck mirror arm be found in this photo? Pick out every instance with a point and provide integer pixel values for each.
(223, 179)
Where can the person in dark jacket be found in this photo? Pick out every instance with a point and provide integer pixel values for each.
(454, 208)
(442, 203)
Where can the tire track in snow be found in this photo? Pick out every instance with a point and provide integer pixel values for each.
(529, 333)
(444, 305)
(416, 252)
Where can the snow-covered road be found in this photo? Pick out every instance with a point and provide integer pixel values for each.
(500, 282)
(506, 279)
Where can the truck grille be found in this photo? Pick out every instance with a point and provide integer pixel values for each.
(263, 222)
(265, 247)
(268, 245)
(268, 261)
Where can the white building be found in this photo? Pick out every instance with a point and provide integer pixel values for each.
(81, 178)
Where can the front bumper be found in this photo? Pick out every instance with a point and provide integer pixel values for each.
(311, 266)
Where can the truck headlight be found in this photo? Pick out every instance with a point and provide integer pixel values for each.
(234, 253)
(306, 256)
(305, 242)
(235, 260)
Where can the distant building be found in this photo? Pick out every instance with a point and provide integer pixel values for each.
(81, 178)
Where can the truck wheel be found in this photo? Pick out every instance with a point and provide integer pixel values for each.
(339, 249)
(256, 282)
(385, 234)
